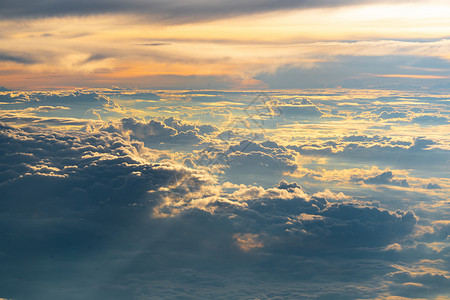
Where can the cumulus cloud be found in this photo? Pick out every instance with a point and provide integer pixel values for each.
(386, 178)
(122, 220)
(419, 151)
(433, 186)
(167, 133)
(27, 119)
(430, 120)
(82, 104)
(244, 160)
(88, 164)
(392, 115)
(96, 203)
(54, 98)
(412, 284)
(300, 110)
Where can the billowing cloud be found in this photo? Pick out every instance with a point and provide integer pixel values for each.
(242, 161)
(82, 104)
(386, 178)
(430, 120)
(299, 111)
(392, 115)
(105, 200)
(433, 186)
(96, 203)
(382, 149)
(161, 134)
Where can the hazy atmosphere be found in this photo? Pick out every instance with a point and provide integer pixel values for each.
(224, 149)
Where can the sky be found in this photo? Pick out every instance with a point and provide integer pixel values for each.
(217, 44)
(224, 149)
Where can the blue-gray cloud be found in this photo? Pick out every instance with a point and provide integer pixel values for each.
(361, 72)
(164, 134)
(385, 178)
(82, 203)
(158, 10)
(17, 58)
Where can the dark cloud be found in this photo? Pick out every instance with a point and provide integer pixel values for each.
(315, 223)
(97, 214)
(385, 178)
(136, 95)
(430, 120)
(67, 197)
(82, 104)
(77, 98)
(384, 151)
(95, 57)
(92, 216)
(392, 115)
(433, 186)
(158, 10)
(359, 72)
(47, 108)
(23, 119)
(413, 285)
(17, 58)
(161, 134)
(154, 44)
(4, 89)
(299, 111)
(250, 161)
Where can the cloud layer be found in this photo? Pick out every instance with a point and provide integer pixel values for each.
(227, 200)
(174, 12)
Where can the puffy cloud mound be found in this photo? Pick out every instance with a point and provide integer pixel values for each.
(92, 99)
(247, 158)
(430, 120)
(285, 219)
(76, 167)
(433, 186)
(155, 134)
(386, 178)
(304, 109)
(78, 104)
(289, 220)
(392, 115)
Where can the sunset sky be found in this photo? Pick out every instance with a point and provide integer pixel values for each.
(161, 149)
(224, 44)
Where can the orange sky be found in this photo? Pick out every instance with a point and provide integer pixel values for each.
(232, 51)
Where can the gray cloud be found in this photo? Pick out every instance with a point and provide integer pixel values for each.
(246, 159)
(24, 119)
(297, 111)
(430, 120)
(379, 149)
(17, 58)
(161, 134)
(413, 285)
(385, 178)
(162, 11)
(433, 186)
(352, 72)
(392, 115)
(83, 203)
(78, 221)
(4, 89)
